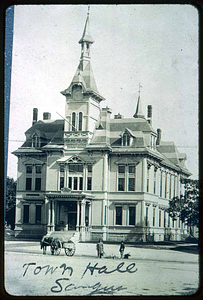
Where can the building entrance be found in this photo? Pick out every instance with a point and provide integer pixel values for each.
(67, 217)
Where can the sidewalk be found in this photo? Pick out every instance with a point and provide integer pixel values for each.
(89, 250)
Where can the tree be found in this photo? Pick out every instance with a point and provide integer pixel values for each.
(10, 201)
(186, 207)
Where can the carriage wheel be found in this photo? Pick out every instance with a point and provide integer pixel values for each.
(55, 247)
(70, 248)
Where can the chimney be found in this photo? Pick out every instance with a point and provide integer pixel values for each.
(158, 140)
(149, 114)
(118, 116)
(35, 116)
(46, 116)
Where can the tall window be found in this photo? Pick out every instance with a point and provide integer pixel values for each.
(160, 218)
(89, 177)
(73, 121)
(121, 178)
(62, 176)
(170, 179)
(147, 179)
(155, 180)
(132, 211)
(126, 139)
(174, 187)
(37, 184)
(38, 214)
(154, 216)
(38, 175)
(28, 184)
(36, 141)
(131, 178)
(165, 185)
(29, 177)
(75, 179)
(118, 215)
(80, 122)
(161, 179)
(169, 221)
(146, 218)
(126, 178)
(26, 209)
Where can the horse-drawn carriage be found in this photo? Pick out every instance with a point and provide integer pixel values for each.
(56, 244)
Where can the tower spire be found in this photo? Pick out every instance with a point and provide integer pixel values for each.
(86, 39)
(138, 112)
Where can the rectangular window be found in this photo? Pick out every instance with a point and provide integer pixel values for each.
(61, 182)
(132, 215)
(131, 184)
(146, 218)
(28, 169)
(160, 218)
(170, 187)
(37, 184)
(75, 168)
(80, 183)
(174, 187)
(75, 183)
(154, 214)
(26, 209)
(131, 169)
(169, 221)
(28, 184)
(154, 181)
(147, 180)
(161, 178)
(119, 215)
(179, 223)
(166, 186)
(89, 183)
(121, 169)
(38, 214)
(121, 184)
(38, 169)
(70, 182)
(164, 219)
(89, 168)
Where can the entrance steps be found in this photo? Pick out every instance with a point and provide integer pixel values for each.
(65, 236)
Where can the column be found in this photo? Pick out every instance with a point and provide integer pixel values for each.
(105, 172)
(53, 215)
(78, 216)
(82, 226)
(49, 216)
(85, 177)
(90, 214)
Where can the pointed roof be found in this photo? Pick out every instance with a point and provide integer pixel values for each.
(86, 37)
(138, 113)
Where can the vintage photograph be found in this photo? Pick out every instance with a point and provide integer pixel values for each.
(102, 190)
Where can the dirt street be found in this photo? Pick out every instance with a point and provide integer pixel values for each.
(146, 272)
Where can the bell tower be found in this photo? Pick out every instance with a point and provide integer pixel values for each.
(82, 97)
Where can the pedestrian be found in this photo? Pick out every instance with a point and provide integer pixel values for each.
(121, 249)
(100, 249)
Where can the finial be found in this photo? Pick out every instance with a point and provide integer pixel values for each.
(88, 12)
(140, 86)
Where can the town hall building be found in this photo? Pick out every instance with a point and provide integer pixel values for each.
(98, 175)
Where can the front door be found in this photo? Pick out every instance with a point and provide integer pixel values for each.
(67, 217)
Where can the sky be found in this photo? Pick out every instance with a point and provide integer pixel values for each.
(154, 45)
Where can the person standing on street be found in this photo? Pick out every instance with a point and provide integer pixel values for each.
(100, 249)
(122, 248)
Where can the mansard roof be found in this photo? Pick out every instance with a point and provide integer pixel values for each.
(50, 130)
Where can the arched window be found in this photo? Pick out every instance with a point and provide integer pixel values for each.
(80, 122)
(73, 121)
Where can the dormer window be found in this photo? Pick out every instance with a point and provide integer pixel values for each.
(126, 139)
(36, 142)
